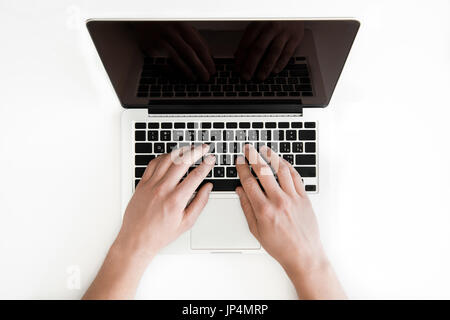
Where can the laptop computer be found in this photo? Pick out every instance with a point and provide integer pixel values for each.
(224, 83)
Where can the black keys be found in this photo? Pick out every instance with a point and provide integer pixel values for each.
(310, 187)
(306, 172)
(206, 125)
(139, 171)
(228, 135)
(235, 147)
(218, 125)
(165, 135)
(305, 159)
(223, 184)
(225, 160)
(152, 135)
(231, 172)
(296, 125)
(203, 135)
(271, 125)
(153, 125)
(179, 125)
(266, 135)
(297, 147)
(136, 182)
(190, 135)
(257, 125)
(307, 134)
(232, 125)
(192, 125)
(310, 124)
(166, 125)
(221, 147)
(160, 148)
(253, 135)
(310, 147)
(219, 172)
(143, 160)
(216, 135)
(283, 125)
(143, 148)
(178, 135)
(244, 125)
(241, 135)
(278, 135)
(291, 135)
(139, 135)
(285, 147)
(140, 125)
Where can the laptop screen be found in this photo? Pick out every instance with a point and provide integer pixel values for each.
(190, 63)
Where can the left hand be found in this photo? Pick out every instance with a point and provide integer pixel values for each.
(159, 210)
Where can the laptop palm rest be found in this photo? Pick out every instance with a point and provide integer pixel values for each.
(222, 226)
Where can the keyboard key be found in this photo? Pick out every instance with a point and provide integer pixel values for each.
(152, 135)
(219, 172)
(166, 125)
(306, 135)
(253, 135)
(244, 125)
(305, 159)
(297, 147)
(139, 136)
(179, 125)
(271, 125)
(140, 125)
(159, 148)
(203, 135)
(257, 125)
(268, 94)
(296, 125)
(143, 160)
(291, 135)
(232, 125)
(310, 124)
(283, 125)
(285, 147)
(241, 135)
(189, 135)
(178, 135)
(143, 148)
(225, 160)
(221, 147)
(218, 125)
(228, 135)
(231, 172)
(310, 187)
(231, 94)
(153, 125)
(136, 182)
(192, 125)
(223, 184)
(165, 135)
(244, 94)
(310, 147)
(206, 125)
(139, 172)
(278, 135)
(306, 172)
(289, 158)
(216, 135)
(235, 147)
(171, 146)
(273, 146)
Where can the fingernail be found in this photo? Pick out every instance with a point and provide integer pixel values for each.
(240, 160)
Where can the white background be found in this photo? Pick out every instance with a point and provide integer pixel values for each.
(385, 153)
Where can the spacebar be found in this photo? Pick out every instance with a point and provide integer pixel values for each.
(223, 184)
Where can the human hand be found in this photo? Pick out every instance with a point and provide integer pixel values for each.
(158, 211)
(183, 43)
(267, 46)
(281, 216)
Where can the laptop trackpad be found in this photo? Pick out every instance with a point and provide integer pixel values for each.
(222, 225)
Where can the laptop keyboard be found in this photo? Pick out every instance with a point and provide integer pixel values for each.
(294, 141)
(156, 82)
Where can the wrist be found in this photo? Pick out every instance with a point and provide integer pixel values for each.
(130, 254)
(304, 265)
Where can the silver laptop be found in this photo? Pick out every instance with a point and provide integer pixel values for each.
(224, 83)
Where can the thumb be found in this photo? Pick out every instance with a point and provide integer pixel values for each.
(196, 206)
(248, 210)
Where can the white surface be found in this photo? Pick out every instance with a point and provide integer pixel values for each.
(385, 174)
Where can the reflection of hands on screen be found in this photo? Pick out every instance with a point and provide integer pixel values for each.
(182, 43)
(266, 47)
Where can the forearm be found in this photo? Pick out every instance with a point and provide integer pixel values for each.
(119, 275)
(317, 283)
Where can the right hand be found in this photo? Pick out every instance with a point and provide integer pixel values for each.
(281, 216)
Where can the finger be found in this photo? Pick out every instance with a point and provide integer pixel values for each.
(251, 33)
(288, 52)
(188, 186)
(189, 56)
(165, 161)
(248, 210)
(196, 206)
(180, 163)
(250, 185)
(262, 170)
(256, 52)
(150, 169)
(281, 168)
(196, 41)
(297, 179)
(271, 58)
